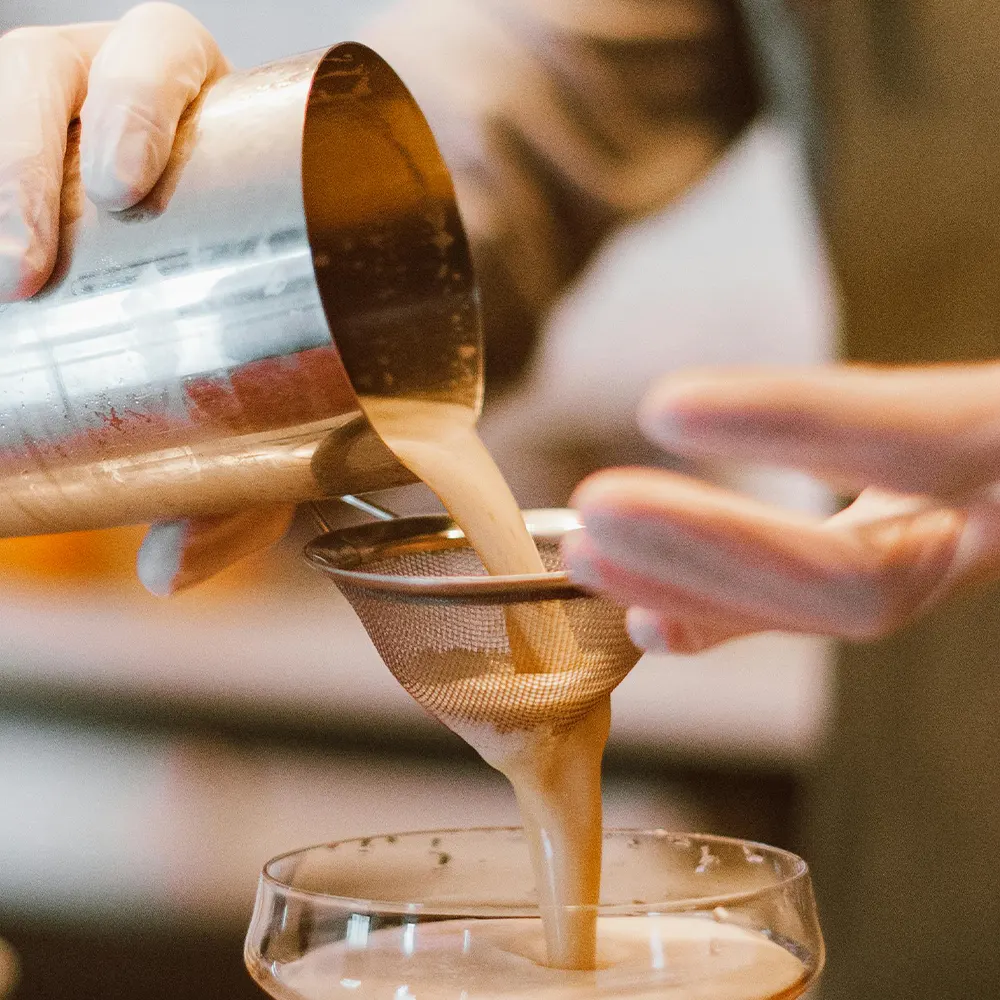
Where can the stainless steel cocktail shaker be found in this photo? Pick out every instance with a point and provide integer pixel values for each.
(207, 349)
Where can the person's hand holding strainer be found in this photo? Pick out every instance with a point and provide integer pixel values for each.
(699, 565)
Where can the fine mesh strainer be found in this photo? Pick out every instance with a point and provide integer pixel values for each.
(439, 621)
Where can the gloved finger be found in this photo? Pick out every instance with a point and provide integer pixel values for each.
(176, 555)
(152, 66)
(43, 82)
(932, 430)
(655, 533)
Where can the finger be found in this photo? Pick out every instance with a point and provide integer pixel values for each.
(875, 506)
(977, 553)
(591, 569)
(43, 82)
(681, 623)
(658, 533)
(176, 555)
(656, 632)
(151, 67)
(933, 430)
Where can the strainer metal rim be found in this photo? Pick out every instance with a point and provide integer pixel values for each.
(340, 554)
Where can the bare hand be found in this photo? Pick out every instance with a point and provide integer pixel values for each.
(699, 565)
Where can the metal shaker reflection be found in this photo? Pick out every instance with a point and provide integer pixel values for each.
(206, 349)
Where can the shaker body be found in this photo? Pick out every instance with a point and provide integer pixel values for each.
(206, 349)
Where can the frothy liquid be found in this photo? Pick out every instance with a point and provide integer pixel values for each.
(682, 958)
(556, 776)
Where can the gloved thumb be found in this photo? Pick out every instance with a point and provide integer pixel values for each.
(151, 67)
(176, 555)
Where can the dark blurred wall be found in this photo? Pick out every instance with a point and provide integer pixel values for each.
(907, 808)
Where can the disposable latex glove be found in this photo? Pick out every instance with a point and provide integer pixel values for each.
(699, 565)
(129, 82)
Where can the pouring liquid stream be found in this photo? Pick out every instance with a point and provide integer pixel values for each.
(555, 773)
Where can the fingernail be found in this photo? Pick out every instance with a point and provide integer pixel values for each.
(601, 526)
(644, 630)
(23, 265)
(673, 414)
(158, 563)
(118, 178)
(683, 417)
(632, 543)
(660, 424)
(581, 568)
(12, 271)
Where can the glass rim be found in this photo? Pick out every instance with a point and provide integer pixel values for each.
(799, 871)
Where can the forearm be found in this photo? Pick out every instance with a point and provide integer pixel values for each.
(560, 122)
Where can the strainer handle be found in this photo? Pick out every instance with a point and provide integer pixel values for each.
(371, 509)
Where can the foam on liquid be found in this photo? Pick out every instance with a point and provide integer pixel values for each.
(681, 958)
(556, 778)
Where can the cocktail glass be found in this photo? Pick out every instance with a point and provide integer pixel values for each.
(449, 915)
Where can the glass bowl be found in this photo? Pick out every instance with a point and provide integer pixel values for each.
(450, 915)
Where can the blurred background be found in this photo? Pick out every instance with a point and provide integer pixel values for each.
(153, 754)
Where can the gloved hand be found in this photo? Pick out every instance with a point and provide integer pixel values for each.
(129, 83)
(699, 565)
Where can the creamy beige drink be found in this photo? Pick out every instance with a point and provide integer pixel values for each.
(680, 958)
(555, 773)
(438, 442)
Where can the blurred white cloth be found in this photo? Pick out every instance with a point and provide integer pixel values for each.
(733, 274)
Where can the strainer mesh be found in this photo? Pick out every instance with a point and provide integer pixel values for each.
(455, 658)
